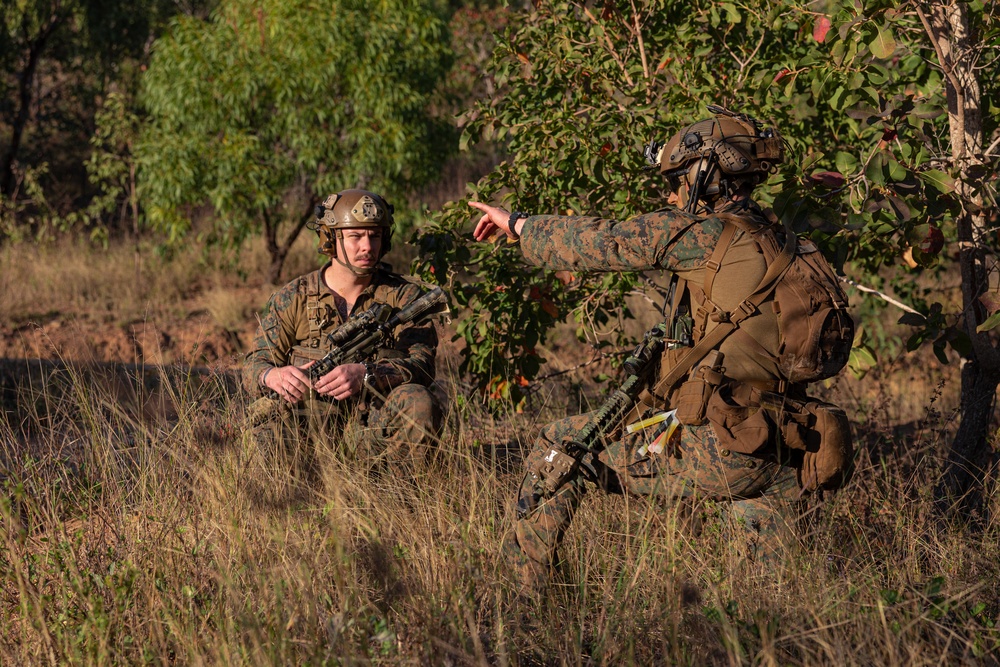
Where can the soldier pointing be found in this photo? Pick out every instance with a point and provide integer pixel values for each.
(755, 315)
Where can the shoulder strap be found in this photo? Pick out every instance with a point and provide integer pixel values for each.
(712, 267)
(312, 307)
(729, 322)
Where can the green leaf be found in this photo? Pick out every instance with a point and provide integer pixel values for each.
(991, 322)
(846, 163)
(875, 172)
(938, 180)
(861, 361)
(884, 44)
(897, 172)
(939, 351)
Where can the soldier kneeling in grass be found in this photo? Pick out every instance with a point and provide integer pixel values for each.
(755, 315)
(379, 400)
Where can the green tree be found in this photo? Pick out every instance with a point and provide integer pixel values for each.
(860, 90)
(59, 59)
(268, 106)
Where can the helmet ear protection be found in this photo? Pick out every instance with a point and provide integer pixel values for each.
(717, 157)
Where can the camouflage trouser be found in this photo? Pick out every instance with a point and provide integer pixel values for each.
(761, 491)
(394, 433)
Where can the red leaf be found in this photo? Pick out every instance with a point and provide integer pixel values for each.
(990, 301)
(565, 277)
(933, 242)
(889, 134)
(781, 75)
(821, 28)
(550, 308)
(605, 149)
(830, 179)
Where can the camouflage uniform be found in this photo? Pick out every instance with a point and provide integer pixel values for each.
(693, 464)
(399, 414)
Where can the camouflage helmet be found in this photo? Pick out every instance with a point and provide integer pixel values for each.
(352, 209)
(718, 156)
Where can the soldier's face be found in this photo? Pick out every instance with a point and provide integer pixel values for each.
(362, 246)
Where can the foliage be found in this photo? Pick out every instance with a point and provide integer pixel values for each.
(851, 87)
(111, 167)
(59, 59)
(270, 105)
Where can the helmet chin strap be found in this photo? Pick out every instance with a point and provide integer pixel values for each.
(696, 191)
(356, 270)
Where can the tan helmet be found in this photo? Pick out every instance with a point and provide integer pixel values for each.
(718, 156)
(352, 209)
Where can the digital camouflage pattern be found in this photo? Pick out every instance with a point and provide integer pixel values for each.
(674, 241)
(396, 420)
(286, 323)
(760, 487)
(691, 465)
(397, 434)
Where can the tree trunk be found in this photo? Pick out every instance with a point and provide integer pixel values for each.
(279, 253)
(26, 83)
(948, 29)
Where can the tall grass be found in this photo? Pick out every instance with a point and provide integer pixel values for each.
(150, 540)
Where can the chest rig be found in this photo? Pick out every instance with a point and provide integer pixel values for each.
(321, 317)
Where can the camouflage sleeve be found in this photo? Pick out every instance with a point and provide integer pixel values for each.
(670, 240)
(275, 335)
(417, 345)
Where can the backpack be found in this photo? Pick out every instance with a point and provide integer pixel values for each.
(816, 334)
(815, 330)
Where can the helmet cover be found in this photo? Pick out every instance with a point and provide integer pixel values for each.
(353, 209)
(716, 155)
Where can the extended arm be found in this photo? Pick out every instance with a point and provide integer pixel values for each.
(668, 239)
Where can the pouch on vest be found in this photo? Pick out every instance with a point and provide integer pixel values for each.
(302, 355)
(820, 430)
(739, 422)
(829, 451)
(693, 395)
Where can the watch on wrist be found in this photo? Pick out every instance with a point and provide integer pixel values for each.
(512, 220)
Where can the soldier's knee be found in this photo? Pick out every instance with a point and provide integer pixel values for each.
(416, 402)
(410, 397)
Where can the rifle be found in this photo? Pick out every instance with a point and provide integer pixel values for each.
(563, 459)
(366, 332)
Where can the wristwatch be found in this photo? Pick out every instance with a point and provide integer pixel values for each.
(512, 220)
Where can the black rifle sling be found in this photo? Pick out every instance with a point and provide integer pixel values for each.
(733, 319)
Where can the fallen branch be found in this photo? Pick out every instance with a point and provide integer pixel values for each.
(881, 295)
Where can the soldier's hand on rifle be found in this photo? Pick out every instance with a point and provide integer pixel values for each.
(289, 382)
(342, 382)
(494, 219)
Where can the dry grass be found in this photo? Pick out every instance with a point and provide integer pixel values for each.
(72, 277)
(138, 525)
(129, 541)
